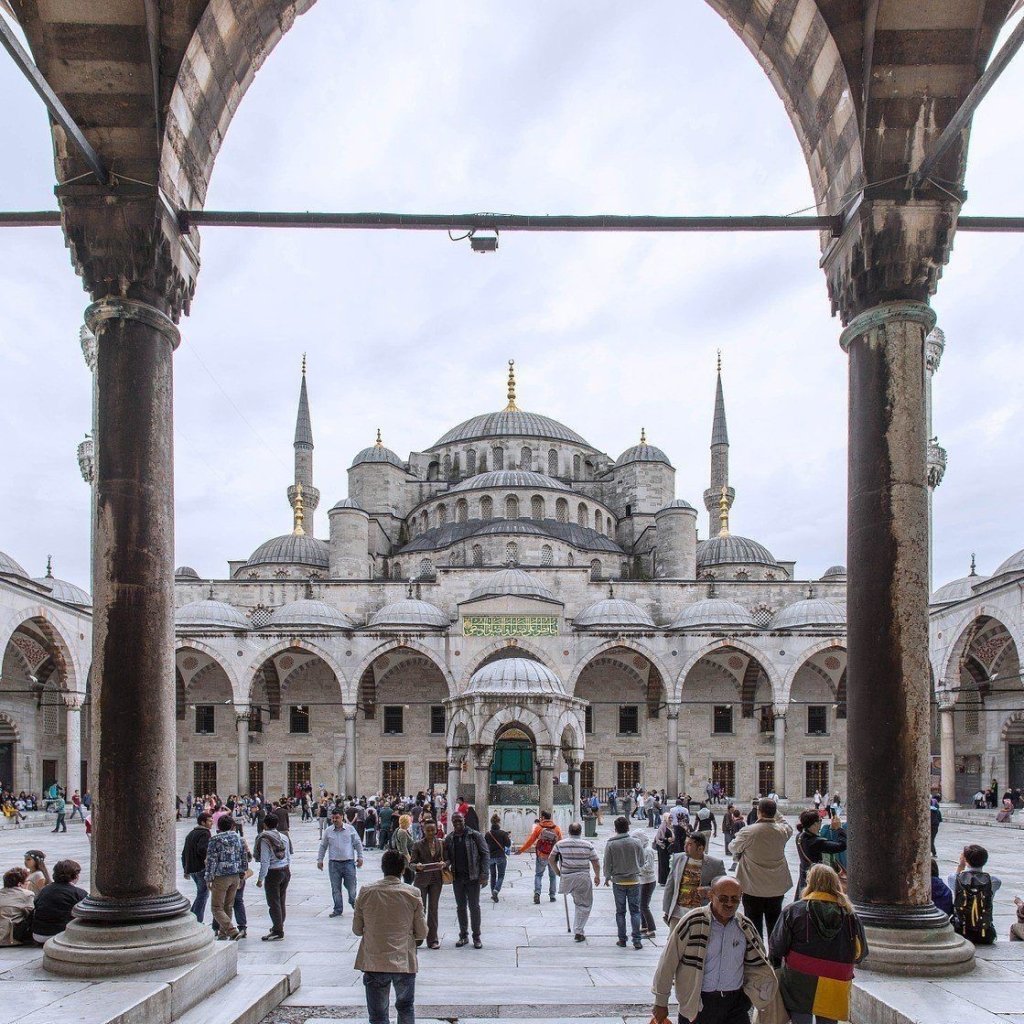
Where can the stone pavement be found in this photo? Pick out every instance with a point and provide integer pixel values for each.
(530, 966)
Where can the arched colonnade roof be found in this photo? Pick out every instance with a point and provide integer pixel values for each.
(985, 633)
(67, 637)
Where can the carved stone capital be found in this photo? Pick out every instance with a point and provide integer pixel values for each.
(88, 342)
(934, 346)
(936, 463)
(87, 458)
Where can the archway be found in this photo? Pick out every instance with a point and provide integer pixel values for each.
(205, 725)
(514, 760)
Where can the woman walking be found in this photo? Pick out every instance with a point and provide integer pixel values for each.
(648, 883)
(814, 946)
(428, 863)
(811, 848)
(499, 842)
(402, 841)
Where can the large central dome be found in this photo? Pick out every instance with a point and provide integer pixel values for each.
(510, 423)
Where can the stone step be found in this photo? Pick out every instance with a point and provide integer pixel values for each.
(247, 999)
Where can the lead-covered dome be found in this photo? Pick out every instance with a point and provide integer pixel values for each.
(613, 613)
(813, 611)
(835, 573)
(509, 423)
(714, 613)
(292, 549)
(9, 567)
(61, 590)
(511, 583)
(411, 614)
(210, 614)
(505, 478)
(511, 677)
(377, 453)
(733, 550)
(642, 452)
(185, 572)
(308, 613)
(1015, 563)
(958, 590)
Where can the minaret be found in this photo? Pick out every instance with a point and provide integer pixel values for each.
(310, 496)
(719, 492)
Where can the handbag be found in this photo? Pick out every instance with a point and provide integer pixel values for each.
(446, 876)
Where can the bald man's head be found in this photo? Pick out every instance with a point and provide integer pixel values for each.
(725, 898)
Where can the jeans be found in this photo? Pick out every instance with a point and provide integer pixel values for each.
(76, 809)
(646, 917)
(541, 866)
(342, 872)
(722, 1008)
(467, 896)
(627, 895)
(762, 912)
(498, 865)
(378, 996)
(202, 895)
(62, 825)
(276, 888)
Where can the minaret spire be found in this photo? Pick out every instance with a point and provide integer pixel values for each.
(303, 445)
(719, 496)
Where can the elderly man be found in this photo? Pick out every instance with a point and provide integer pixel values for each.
(389, 920)
(718, 965)
(344, 856)
(690, 880)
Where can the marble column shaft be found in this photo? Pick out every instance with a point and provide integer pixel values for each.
(780, 756)
(672, 757)
(242, 725)
(73, 747)
(350, 755)
(947, 726)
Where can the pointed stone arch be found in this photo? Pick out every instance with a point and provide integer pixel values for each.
(239, 689)
(830, 644)
(461, 734)
(626, 643)
(57, 633)
(743, 647)
(516, 714)
(399, 643)
(966, 632)
(257, 663)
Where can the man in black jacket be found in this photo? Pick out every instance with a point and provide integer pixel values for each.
(465, 854)
(193, 861)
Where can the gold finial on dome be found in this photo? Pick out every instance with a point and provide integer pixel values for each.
(643, 435)
(511, 407)
(723, 513)
(300, 512)
(380, 443)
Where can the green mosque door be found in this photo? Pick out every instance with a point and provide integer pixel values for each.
(513, 759)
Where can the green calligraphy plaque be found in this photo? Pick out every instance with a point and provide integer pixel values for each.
(510, 625)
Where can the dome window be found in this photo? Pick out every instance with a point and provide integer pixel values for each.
(537, 507)
(478, 555)
(562, 510)
(486, 507)
(511, 507)
(498, 457)
(512, 553)
(461, 510)
(471, 462)
(546, 555)
(595, 569)
(581, 514)
(552, 462)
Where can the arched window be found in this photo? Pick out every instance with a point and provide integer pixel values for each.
(575, 467)
(499, 457)
(595, 568)
(581, 514)
(446, 467)
(478, 555)
(396, 570)
(461, 510)
(546, 555)
(486, 507)
(456, 470)
(432, 471)
(537, 507)
(426, 568)
(442, 515)
(526, 458)
(570, 560)
(512, 553)
(588, 470)
(511, 507)
(562, 510)
(453, 558)
(552, 462)
(611, 527)
(597, 520)
(471, 462)
(424, 524)
(482, 467)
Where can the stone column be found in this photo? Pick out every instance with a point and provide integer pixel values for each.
(780, 752)
(242, 725)
(574, 779)
(454, 778)
(887, 609)
(947, 749)
(134, 918)
(483, 791)
(546, 782)
(73, 746)
(350, 754)
(672, 755)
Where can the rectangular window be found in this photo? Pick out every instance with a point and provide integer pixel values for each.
(767, 723)
(393, 720)
(204, 719)
(256, 721)
(588, 720)
(438, 720)
(586, 775)
(393, 777)
(204, 778)
(724, 773)
(817, 720)
(298, 775)
(815, 778)
(256, 778)
(437, 773)
(627, 775)
(49, 773)
(722, 721)
(629, 719)
(765, 777)
(298, 718)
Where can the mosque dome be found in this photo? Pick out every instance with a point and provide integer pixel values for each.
(378, 452)
(292, 549)
(185, 572)
(411, 614)
(502, 527)
(1015, 563)
(613, 613)
(9, 567)
(505, 478)
(715, 612)
(61, 590)
(836, 573)
(680, 503)
(346, 503)
(732, 550)
(514, 677)
(309, 613)
(210, 614)
(511, 583)
(642, 452)
(808, 613)
(509, 423)
(958, 590)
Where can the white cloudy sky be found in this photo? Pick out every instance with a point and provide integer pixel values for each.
(571, 106)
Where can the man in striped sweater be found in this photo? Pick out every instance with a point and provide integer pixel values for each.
(573, 860)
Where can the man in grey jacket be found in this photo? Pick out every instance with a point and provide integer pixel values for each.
(690, 880)
(761, 867)
(623, 862)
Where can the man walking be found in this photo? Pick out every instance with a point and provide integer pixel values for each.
(193, 861)
(690, 880)
(76, 807)
(344, 852)
(390, 923)
(573, 860)
(718, 965)
(761, 868)
(543, 838)
(623, 862)
(465, 854)
(273, 851)
(60, 807)
(225, 866)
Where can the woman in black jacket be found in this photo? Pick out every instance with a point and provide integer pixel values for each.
(810, 847)
(56, 901)
(498, 841)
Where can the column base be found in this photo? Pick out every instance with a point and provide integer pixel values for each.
(90, 950)
(914, 942)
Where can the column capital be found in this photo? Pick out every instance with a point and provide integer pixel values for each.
(780, 711)
(886, 313)
(242, 713)
(672, 712)
(946, 701)
(73, 701)
(132, 309)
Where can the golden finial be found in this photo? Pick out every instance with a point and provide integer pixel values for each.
(380, 443)
(303, 364)
(300, 512)
(719, 360)
(511, 407)
(643, 435)
(723, 513)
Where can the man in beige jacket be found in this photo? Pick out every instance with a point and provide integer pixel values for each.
(761, 868)
(389, 918)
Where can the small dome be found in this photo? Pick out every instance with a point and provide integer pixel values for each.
(292, 549)
(9, 567)
(309, 613)
(714, 612)
(680, 503)
(733, 550)
(613, 613)
(210, 614)
(958, 590)
(186, 572)
(811, 612)
(346, 503)
(510, 423)
(377, 453)
(642, 453)
(409, 613)
(514, 677)
(61, 590)
(511, 583)
(1015, 563)
(502, 478)
(523, 527)
(835, 572)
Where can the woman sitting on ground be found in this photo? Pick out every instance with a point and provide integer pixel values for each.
(16, 903)
(38, 872)
(55, 903)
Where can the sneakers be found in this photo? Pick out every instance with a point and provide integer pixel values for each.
(637, 945)
(621, 943)
(477, 944)
(581, 937)
(551, 897)
(463, 941)
(272, 937)
(536, 897)
(242, 933)
(336, 913)
(494, 896)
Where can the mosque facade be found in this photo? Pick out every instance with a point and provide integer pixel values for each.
(516, 615)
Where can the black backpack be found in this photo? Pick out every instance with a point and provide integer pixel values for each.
(972, 907)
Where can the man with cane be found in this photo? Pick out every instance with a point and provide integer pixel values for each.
(573, 859)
